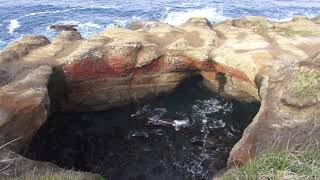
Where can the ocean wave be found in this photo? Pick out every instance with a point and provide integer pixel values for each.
(81, 25)
(179, 17)
(14, 24)
(86, 29)
(48, 12)
(121, 23)
(288, 16)
(89, 25)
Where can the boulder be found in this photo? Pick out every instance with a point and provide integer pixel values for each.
(64, 27)
(24, 104)
(22, 47)
(69, 36)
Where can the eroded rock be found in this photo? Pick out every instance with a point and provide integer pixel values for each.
(24, 105)
(64, 27)
(22, 47)
(288, 117)
(15, 166)
(250, 59)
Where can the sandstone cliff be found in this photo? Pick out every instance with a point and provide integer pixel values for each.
(249, 59)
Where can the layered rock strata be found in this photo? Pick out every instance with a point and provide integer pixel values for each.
(249, 59)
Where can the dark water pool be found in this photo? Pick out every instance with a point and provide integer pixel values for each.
(187, 135)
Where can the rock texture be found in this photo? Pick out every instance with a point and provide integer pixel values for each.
(64, 27)
(21, 48)
(15, 166)
(289, 115)
(23, 104)
(249, 59)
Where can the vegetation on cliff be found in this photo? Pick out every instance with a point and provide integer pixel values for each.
(61, 175)
(279, 166)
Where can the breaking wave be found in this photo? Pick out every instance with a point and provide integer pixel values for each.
(179, 17)
(14, 24)
(33, 17)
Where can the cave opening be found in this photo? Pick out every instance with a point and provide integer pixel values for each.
(185, 135)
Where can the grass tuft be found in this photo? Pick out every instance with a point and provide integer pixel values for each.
(60, 175)
(297, 165)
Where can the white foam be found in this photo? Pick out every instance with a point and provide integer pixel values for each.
(178, 124)
(211, 13)
(49, 12)
(67, 22)
(121, 23)
(90, 25)
(14, 24)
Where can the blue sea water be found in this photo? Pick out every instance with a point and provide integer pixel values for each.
(21, 17)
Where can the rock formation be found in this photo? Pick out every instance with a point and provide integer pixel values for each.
(289, 114)
(64, 27)
(249, 59)
(18, 166)
(24, 103)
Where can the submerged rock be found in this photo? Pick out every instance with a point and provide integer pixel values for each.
(64, 27)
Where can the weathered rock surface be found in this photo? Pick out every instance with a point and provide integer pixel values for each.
(21, 48)
(64, 27)
(289, 113)
(249, 59)
(15, 166)
(122, 66)
(23, 103)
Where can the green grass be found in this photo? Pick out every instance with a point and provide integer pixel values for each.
(298, 165)
(62, 175)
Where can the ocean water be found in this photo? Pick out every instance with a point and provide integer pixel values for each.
(184, 136)
(22, 17)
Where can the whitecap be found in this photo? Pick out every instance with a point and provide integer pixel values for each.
(90, 25)
(67, 22)
(49, 12)
(14, 24)
(178, 124)
(211, 13)
(121, 23)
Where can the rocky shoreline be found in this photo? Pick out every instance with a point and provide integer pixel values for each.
(250, 59)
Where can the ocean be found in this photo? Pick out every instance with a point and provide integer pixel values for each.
(22, 17)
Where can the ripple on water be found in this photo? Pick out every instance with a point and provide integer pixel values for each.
(184, 138)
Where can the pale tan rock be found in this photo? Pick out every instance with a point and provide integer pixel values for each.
(288, 117)
(121, 66)
(15, 166)
(21, 48)
(24, 106)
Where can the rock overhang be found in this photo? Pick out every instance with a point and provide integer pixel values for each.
(121, 66)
